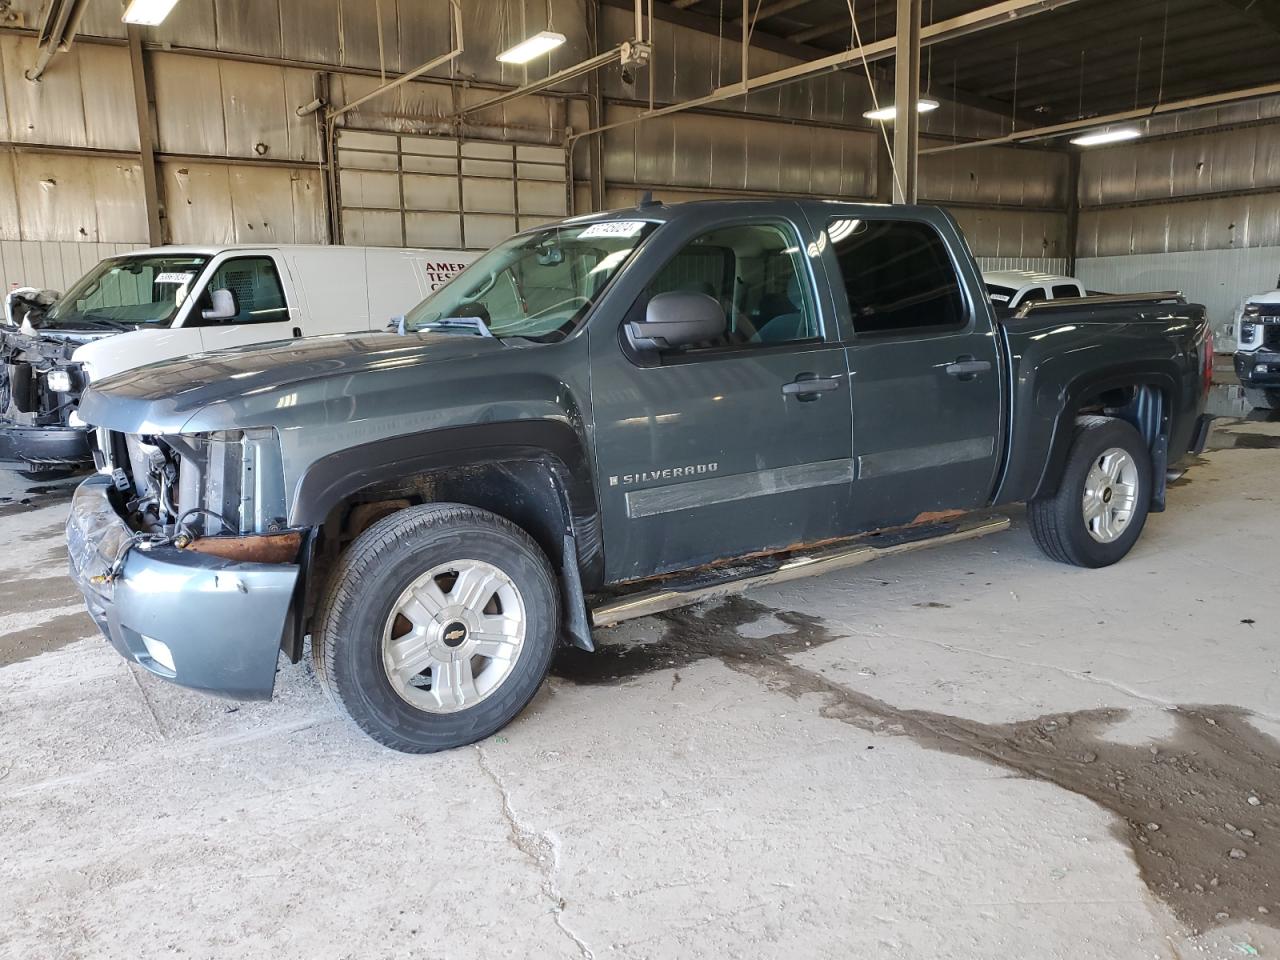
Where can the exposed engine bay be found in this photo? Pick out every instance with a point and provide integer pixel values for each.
(218, 493)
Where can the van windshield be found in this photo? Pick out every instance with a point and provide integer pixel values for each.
(536, 285)
(127, 292)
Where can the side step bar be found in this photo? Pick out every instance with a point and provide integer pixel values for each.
(714, 582)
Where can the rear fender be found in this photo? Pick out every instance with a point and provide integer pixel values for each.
(1148, 410)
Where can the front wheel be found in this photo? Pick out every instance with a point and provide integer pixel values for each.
(438, 625)
(1262, 399)
(1098, 511)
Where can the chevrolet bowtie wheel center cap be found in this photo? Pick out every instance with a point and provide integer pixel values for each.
(455, 634)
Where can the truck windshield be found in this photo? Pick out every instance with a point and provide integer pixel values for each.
(127, 292)
(537, 285)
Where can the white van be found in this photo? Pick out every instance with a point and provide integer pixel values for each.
(168, 302)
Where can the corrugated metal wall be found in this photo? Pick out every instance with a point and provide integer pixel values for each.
(1220, 279)
(1187, 207)
(236, 164)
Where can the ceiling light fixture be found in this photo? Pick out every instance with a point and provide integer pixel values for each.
(891, 111)
(526, 50)
(1107, 136)
(148, 13)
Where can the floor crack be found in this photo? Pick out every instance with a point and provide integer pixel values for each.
(542, 849)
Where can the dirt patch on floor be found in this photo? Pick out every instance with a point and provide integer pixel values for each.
(50, 635)
(32, 594)
(1199, 809)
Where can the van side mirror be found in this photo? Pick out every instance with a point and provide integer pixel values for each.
(678, 319)
(223, 308)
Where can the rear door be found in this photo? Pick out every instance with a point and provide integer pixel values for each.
(924, 364)
(731, 446)
(262, 304)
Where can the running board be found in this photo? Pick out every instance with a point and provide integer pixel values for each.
(710, 583)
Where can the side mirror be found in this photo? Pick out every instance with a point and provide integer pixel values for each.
(396, 325)
(224, 306)
(678, 319)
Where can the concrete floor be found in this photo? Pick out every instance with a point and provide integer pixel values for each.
(969, 752)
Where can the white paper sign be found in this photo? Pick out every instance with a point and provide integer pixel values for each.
(613, 228)
(174, 277)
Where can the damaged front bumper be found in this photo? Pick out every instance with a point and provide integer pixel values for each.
(200, 621)
(34, 448)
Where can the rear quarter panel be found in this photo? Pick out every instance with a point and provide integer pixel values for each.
(1058, 357)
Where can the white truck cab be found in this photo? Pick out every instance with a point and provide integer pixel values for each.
(1010, 289)
(168, 302)
(1257, 358)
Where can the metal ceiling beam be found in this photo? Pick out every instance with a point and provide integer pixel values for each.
(763, 40)
(775, 8)
(455, 24)
(569, 73)
(1074, 126)
(998, 13)
(58, 28)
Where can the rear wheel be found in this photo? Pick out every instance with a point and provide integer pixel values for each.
(438, 626)
(1101, 504)
(1262, 399)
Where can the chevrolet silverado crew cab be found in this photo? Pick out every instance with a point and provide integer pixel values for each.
(1257, 356)
(604, 417)
(167, 302)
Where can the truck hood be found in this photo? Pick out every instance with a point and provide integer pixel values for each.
(160, 397)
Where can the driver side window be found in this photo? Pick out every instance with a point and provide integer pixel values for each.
(756, 273)
(255, 285)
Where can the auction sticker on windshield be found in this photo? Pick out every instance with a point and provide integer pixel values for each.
(173, 277)
(613, 228)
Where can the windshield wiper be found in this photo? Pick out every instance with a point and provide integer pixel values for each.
(470, 325)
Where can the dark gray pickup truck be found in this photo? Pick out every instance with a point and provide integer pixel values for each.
(602, 418)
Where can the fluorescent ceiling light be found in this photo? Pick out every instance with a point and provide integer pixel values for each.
(148, 13)
(891, 111)
(526, 50)
(1107, 136)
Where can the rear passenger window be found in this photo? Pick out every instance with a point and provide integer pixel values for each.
(897, 276)
(254, 283)
(756, 271)
(1033, 295)
(1065, 290)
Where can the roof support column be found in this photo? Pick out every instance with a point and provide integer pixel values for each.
(144, 103)
(906, 93)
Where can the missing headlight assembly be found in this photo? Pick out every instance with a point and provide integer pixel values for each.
(185, 487)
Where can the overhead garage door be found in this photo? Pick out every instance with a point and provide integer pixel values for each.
(417, 191)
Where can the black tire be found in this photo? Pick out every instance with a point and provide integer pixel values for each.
(361, 594)
(1261, 398)
(1058, 522)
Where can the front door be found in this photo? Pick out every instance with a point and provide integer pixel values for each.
(925, 369)
(736, 445)
(262, 308)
